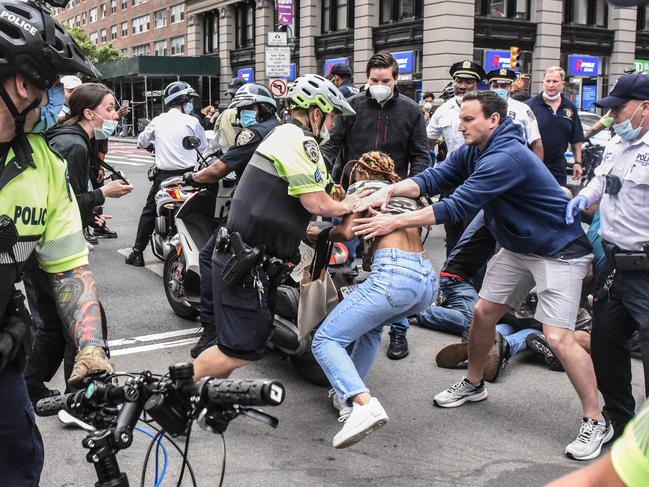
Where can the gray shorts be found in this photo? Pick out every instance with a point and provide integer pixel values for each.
(510, 276)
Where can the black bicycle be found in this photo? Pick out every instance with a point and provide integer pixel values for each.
(173, 401)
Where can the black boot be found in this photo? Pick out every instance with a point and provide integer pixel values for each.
(398, 348)
(104, 232)
(207, 339)
(135, 258)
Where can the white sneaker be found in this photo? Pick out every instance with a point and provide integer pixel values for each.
(343, 410)
(590, 440)
(360, 423)
(70, 421)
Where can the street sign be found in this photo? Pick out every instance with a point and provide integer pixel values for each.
(278, 88)
(277, 38)
(278, 62)
(153, 93)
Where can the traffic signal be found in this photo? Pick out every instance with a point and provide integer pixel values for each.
(514, 53)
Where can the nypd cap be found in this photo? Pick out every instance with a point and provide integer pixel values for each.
(467, 70)
(633, 86)
(502, 75)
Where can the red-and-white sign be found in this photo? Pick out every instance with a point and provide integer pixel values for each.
(278, 88)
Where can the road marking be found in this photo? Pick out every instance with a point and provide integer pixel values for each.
(119, 342)
(149, 348)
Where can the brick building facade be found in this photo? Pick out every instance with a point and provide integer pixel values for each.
(134, 27)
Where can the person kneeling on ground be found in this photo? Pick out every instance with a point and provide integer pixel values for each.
(401, 282)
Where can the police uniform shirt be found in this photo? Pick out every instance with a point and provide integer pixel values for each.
(167, 130)
(625, 216)
(558, 130)
(266, 209)
(40, 201)
(245, 144)
(445, 123)
(522, 115)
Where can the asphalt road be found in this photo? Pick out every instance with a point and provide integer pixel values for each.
(515, 438)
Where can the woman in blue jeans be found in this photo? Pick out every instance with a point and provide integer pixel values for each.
(402, 282)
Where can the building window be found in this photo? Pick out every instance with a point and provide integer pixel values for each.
(77, 21)
(124, 4)
(177, 13)
(512, 9)
(124, 52)
(586, 12)
(160, 48)
(138, 2)
(113, 7)
(244, 16)
(337, 15)
(113, 32)
(104, 36)
(159, 19)
(397, 10)
(102, 9)
(643, 19)
(210, 32)
(142, 50)
(141, 24)
(124, 29)
(93, 37)
(177, 45)
(93, 15)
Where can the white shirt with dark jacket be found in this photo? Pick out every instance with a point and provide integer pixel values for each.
(167, 130)
(396, 128)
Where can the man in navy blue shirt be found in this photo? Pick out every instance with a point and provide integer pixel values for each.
(524, 210)
(559, 125)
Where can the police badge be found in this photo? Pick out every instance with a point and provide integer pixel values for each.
(312, 151)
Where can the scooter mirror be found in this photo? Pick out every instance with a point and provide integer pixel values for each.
(190, 142)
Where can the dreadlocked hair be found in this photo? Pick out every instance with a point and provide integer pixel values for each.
(373, 165)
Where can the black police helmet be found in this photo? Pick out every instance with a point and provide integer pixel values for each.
(177, 93)
(34, 45)
(253, 94)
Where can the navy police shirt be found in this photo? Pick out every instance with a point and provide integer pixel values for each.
(558, 130)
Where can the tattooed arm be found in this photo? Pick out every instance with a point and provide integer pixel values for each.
(76, 299)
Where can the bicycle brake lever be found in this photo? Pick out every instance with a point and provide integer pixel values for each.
(260, 416)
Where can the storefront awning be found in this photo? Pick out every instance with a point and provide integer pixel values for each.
(160, 66)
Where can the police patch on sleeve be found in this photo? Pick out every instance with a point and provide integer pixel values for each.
(530, 114)
(245, 136)
(312, 151)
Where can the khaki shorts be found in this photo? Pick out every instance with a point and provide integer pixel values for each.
(510, 276)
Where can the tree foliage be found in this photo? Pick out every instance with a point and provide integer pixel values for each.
(96, 54)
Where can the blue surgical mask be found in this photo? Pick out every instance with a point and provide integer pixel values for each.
(625, 130)
(51, 111)
(502, 93)
(106, 130)
(188, 107)
(248, 118)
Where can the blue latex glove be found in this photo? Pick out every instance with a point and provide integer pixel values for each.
(575, 206)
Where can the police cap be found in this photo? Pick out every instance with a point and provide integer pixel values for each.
(234, 85)
(502, 75)
(467, 70)
(633, 86)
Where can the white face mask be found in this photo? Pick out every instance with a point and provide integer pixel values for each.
(380, 92)
(552, 98)
(428, 106)
(324, 134)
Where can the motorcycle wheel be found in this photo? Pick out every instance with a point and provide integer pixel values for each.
(173, 273)
(308, 367)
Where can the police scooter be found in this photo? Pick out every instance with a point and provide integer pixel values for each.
(195, 221)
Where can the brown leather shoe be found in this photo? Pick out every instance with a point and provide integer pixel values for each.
(496, 359)
(452, 355)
